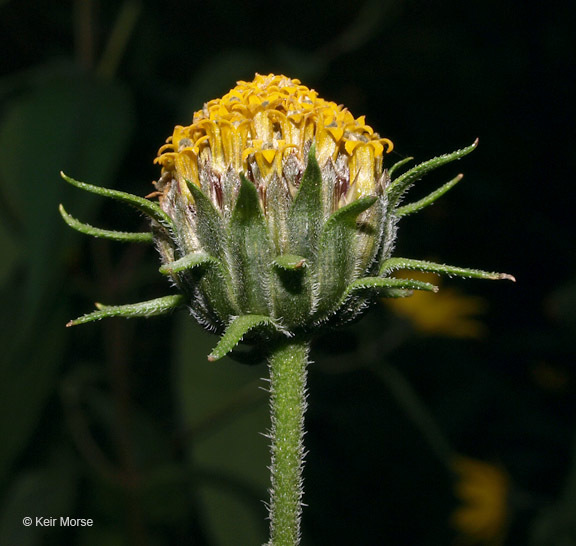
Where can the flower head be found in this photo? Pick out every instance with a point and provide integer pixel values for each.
(283, 179)
(276, 215)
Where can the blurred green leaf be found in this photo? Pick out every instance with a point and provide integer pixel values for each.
(45, 492)
(25, 389)
(102, 535)
(164, 494)
(224, 413)
(73, 123)
(11, 253)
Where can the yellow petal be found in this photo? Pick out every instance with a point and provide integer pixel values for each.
(268, 155)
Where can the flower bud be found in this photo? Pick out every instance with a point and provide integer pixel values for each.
(276, 212)
(284, 194)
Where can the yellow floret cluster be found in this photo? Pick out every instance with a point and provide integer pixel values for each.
(256, 125)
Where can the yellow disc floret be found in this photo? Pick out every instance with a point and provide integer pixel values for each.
(258, 124)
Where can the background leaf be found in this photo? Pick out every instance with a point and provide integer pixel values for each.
(66, 121)
(222, 405)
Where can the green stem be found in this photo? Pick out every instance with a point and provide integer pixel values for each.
(287, 406)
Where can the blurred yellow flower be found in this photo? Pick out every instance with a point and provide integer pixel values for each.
(447, 313)
(482, 488)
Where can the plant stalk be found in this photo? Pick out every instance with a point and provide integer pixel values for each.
(287, 364)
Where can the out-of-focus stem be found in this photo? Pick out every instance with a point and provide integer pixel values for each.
(84, 33)
(118, 40)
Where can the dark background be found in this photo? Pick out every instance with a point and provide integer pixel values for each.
(125, 422)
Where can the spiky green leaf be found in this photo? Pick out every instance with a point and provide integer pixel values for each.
(278, 204)
(336, 261)
(382, 286)
(395, 264)
(236, 331)
(188, 262)
(397, 165)
(150, 308)
(251, 252)
(290, 289)
(428, 200)
(209, 222)
(143, 205)
(401, 184)
(207, 285)
(87, 229)
(305, 216)
(289, 262)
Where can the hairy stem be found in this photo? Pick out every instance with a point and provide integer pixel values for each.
(287, 405)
